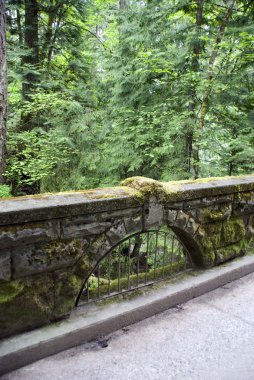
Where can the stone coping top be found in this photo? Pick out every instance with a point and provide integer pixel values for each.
(65, 204)
(134, 192)
(180, 191)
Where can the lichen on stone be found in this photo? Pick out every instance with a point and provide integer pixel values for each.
(186, 189)
(147, 187)
(215, 214)
(25, 304)
(9, 290)
(233, 230)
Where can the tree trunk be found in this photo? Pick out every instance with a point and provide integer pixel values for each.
(190, 150)
(3, 90)
(19, 27)
(48, 38)
(209, 76)
(32, 43)
(214, 54)
(31, 60)
(122, 4)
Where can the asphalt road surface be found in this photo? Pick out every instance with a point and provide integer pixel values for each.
(210, 337)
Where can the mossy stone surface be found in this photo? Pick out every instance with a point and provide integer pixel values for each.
(224, 254)
(70, 232)
(214, 231)
(188, 189)
(208, 253)
(226, 232)
(9, 291)
(68, 283)
(66, 290)
(215, 214)
(25, 304)
(233, 231)
(44, 257)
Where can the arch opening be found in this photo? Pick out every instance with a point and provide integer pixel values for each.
(137, 261)
(191, 245)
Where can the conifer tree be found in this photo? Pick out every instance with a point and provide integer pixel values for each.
(3, 91)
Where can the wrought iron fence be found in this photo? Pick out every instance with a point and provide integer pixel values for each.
(137, 261)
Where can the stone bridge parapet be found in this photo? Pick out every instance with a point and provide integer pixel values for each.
(48, 243)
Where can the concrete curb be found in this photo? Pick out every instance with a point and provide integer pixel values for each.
(90, 323)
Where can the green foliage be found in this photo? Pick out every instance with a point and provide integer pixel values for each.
(119, 93)
(33, 156)
(5, 191)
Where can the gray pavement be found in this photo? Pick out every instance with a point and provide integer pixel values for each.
(210, 337)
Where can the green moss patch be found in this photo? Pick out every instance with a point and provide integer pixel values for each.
(25, 304)
(126, 283)
(232, 231)
(186, 189)
(233, 250)
(147, 187)
(10, 290)
(215, 214)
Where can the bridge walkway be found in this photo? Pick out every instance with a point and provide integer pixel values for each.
(210, 337)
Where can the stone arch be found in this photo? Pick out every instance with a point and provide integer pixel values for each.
(107, 241)
(187, 230)
(122, 238)
(192, 245)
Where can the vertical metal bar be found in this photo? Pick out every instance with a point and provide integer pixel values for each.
(188, 260)
(179, 257)
(109, 272)
(185, 255)
(98, 289)
(172, 253)
(119, 270)
(129, 263)
(138, 260)
(155, 255)
(164, 253)
(87, 291)
(147, 254)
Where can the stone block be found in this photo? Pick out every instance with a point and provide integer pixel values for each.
(82, 230)
(226, 232)
(233, 231)
(182, 219)
(214, 214)
(67, 285)
(175, 205)
(98, 248)
(191, 226)
(250, 226)
(243, 208)
(46, 257)
(116, 233)
(198, 203)
(170, 217)
(5, 266)
(155, 216)
(25, 304)
(28, 233)
(80, 219)
(214, 232)
(224, 254)
(207, 258)
(133, 224)
(243, 196)
(119, 214)
(95, 224)
(207, 201)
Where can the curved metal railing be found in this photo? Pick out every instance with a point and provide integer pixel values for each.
(137, 261)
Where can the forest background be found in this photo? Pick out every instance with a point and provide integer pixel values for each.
(101, 90)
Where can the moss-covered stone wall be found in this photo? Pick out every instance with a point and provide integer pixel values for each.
(49, 243)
